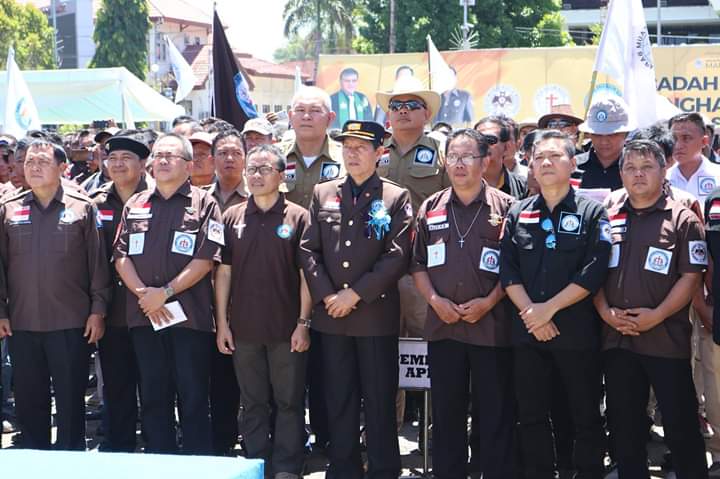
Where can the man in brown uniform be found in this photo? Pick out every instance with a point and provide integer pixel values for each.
(169, 239)
(228, 189)
(455, 265)
(354, 251)
(125, 165)
(55, 299)
(658, 255)
(267, 329)
(313, 157)
(203, 171)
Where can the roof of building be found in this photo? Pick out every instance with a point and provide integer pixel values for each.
(307, 68)
(180, 11)
(257, 67)
(198, 56)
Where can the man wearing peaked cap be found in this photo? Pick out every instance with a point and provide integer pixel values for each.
(257, 131)
(355, 249)
(607, 124)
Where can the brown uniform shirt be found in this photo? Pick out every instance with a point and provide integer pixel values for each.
(109, 210)
(341, 250)
(239, 196)
(300, 180)
(421, 170)
(618, 197)
(161, 237)
(57, 271)
(466, 272)
(651, 249)
(262, 248)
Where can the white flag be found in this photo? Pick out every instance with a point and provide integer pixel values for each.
(298, 80)
(625, 55)
(21, 114)
(442, 77)
(183, 72)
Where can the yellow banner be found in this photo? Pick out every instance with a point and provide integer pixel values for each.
(524, 83)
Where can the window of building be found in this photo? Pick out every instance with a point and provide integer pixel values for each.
(266, 108)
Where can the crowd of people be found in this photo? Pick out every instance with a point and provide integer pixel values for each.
(561, 271)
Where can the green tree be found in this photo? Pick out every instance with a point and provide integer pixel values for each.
(297, 48)
(27, 30)
(121, 36)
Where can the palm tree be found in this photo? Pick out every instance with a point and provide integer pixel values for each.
(321, 17)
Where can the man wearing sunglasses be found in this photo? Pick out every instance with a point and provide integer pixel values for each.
(562, 118)
(554, 256)
(498, 134)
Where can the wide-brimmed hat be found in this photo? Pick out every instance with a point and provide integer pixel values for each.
(563, 111)
(410, 86)
(606, 116)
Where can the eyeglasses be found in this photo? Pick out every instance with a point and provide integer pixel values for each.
(491, 139)
(41, 163)
(547, 226)
(263, 170)
(411, 105)
(557, 124)
(167, 157)
(466, 160)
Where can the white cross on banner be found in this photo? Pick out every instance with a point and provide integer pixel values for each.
(21, 114)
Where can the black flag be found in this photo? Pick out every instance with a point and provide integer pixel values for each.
(231, 101)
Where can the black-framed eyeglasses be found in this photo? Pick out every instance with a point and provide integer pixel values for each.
(412, 105)
(167, 157)
(466, 160)
(264, 170)
(491, 139)
(550, 240)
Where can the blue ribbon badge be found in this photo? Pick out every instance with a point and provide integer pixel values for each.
(379, 222)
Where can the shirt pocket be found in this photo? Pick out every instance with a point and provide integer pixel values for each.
(67, 238)
(425, 180)
(19, 239)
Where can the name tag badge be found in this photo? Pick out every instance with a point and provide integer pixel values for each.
(136, 243)
(329, 171)
(490, 260)
(614, 256)
(424, 156)
(441, 226)
(21, 216)
(658, 260)
(216, 232)
(183, 243)
(698, 252)
(141, 212)
(570, 223)
(435, 255)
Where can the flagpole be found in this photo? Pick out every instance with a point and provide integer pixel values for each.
(593, 81)
(429, 67)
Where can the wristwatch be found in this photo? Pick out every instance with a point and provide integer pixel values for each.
(169, 291)
(304, 322)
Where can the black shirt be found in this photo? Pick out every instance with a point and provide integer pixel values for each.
(514, 185)
(712, 236)
(595, 175)
(580, 256)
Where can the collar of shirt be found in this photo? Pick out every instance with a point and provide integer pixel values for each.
(424, 140)
(278, 207)
(568, 202)
(184, 189)
(594, 161)
(58, 197)
(661, 204)
(480, 198)
(324, 152)
(706, 168)
(214, 189)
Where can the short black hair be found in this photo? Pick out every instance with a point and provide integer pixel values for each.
(660, 134)
(231, 133)
(58, 151)
(643, 148)
(349, 71)
(219, 126)
(182, 119)
(498, 120)
(480, 141)
(694, 118)
(544, 135)
(273, 150)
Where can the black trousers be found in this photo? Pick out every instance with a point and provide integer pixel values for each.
(174, 362)
(461, 373)
(628, 377)
(580, 372)
(270, 373)
(224, 402)
(120, 381)
(361, 368)
(39, 358)
(316, 390)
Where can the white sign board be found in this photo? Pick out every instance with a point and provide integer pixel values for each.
(413, 362)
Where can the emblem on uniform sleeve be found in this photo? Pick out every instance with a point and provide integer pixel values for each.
(706, 184)
(714, 213)
(379, 222)
(490, 260)
(605, 231)
(384, 160)
(216, 232)
(329, 171)
(408, 210)
(698, 252)
(290, 172)
(658, 260)
(67, 216)
(570, 223)
(424, 156)
(284, 231)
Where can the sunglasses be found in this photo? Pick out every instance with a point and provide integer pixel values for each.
(412, 105)
(491, 139)
(547, 226)
(556, 124)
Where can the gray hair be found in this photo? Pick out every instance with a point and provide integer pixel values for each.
(187, 150)
(313, 92)
(271, 150)
(545, 135)
(643, 148)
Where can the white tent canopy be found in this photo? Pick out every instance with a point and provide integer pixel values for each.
(86, 95)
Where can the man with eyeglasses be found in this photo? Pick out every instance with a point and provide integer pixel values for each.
(169, 239)
(658, 257)
(125, 165)
(455, 265)
(561, 118)
(498, 135)
(228, 189)
(353, 253)
(257, 131)
(203, 171)
(266, 331)
(554, 256)
(55, 300)
(312, 157)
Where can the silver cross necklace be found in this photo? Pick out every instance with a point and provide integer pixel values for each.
(462, 236)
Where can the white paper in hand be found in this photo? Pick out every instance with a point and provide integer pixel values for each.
(178, 316)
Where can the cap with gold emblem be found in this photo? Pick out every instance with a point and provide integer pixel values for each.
(363, 130)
